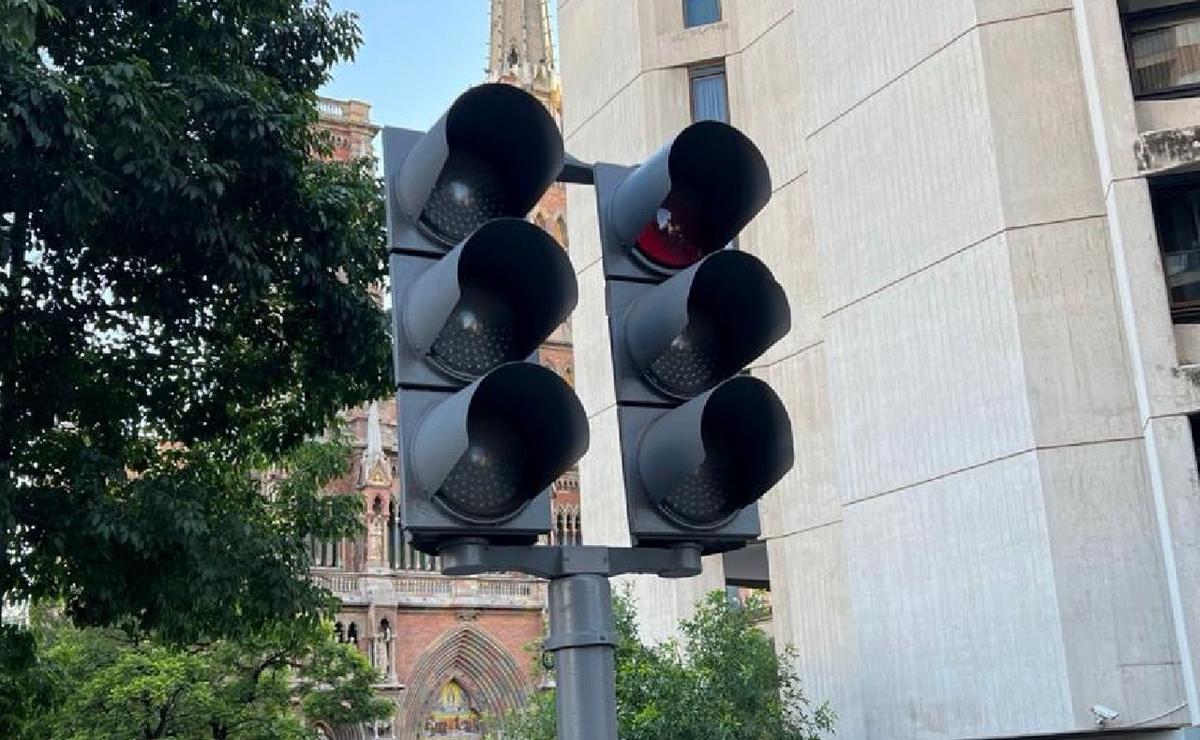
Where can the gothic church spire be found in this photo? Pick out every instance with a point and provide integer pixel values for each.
(520, 49)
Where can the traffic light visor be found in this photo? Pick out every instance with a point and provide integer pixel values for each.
(706, 323)
(492, 300)
(486, 452)
(492, 154)
(720, 452)
(692, 197)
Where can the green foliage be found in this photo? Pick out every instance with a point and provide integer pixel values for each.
(109, 685)
(185, 296)
(722, 679)
(30, 687)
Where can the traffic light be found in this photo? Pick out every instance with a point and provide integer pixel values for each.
(483, 432)
(701, 442)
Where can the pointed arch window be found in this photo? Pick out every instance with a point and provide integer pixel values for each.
(560, 225)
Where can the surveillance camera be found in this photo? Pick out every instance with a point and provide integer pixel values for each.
(1104, 714)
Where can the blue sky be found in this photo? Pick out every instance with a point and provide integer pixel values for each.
(416, 56)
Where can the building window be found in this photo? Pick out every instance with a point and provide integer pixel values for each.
(560, 225)
(701, 12)
(710, 95)
(395, 535)
(1177, 219)
(710, 99)
(1164, 52)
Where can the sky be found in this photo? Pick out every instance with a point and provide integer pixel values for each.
(416, 57)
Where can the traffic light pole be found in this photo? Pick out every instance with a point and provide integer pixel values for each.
(583, 635)
(583, 640)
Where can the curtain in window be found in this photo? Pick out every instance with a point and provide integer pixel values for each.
(701, 12)
(709, 102)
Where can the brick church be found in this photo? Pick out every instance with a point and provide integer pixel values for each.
(451, 651)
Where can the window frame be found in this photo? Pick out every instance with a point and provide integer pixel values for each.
(1145, 20)
(702, 70)
(1166, 186)
(683, 11)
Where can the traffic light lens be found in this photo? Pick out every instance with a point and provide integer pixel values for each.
(485, 484)
(467, 194)
(671, 238)
(691, 364)
(479, 335)
(702, 499)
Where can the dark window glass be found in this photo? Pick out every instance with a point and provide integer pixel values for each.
(1164, 54)
(710, 96)
(1177, 218)
(701, 12)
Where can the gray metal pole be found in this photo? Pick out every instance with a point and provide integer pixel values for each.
(583, 639)
(583, 633)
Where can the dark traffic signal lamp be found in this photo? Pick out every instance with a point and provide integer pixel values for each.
(492, 299)
(492, 154)
(475, 290)
(701, 442)
(479, 463)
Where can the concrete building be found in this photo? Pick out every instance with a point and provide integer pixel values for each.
(985, 215)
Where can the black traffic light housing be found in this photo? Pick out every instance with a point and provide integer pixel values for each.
(684, 335)
(710, 179)
(701, 443)
(694, 473)
(492, 154)
(467, 470)
(475, 290)
(492, 299)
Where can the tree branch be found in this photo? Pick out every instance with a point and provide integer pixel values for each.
(165, 711)
(271, 659)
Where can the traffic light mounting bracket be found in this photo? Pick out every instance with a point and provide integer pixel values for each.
(470, 556)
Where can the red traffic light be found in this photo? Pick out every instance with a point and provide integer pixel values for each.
(672, 238)
(691, 198)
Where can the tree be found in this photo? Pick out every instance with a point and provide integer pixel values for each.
(111, 685)
(30, 686)
(722, 679)
(185, 296)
